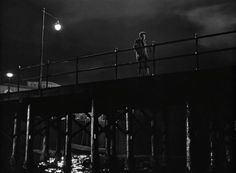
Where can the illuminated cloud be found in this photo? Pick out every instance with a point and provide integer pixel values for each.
(214, 19)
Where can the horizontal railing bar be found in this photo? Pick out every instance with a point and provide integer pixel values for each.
(133, 63)
(97, 54)
(114, 52)
(157, 59)
(174, 57)
(97, 68)
(217, 34)
(30, 78)
(61, 74)
(217, 50)
(129, 49)
(174, 41)
(30, 67)
(62, 61)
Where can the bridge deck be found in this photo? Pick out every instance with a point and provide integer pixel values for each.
(206, 85)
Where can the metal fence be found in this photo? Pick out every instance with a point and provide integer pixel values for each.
(115, 64)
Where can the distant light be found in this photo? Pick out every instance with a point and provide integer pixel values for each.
(57, 26)
(9, 75)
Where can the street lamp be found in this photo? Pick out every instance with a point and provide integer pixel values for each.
(57, 27)
(9, 76)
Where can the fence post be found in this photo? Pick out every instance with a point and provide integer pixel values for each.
(196, 52)
(116, 62)
(77, 71)
(153, 59)
(47, 72)
(18, 78)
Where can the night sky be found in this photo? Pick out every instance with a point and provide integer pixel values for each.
(93, 26)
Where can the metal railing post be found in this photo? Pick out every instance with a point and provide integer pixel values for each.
(77, 71)
(47, 72)
(18, 78)
(116, 63)
(153, 59)
(196, 52)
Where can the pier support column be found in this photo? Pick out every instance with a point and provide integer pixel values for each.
(129, 141)
(108, 141)
(14, 160)
(188, 140)
(45, 145)
(212, 135)
(113, 157)
(68, 126)
(153, 142)
(58, 139)
(94, 140)
(28, 160)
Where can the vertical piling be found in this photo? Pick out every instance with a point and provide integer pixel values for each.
(94, 140)
(28, 160)
(129, 141)
(45, 145)
(153, 141)
(188, 140)
(211, 167)
(108, 137)
(113, 158)
(68, 126)
(58, 139)
(14, 160)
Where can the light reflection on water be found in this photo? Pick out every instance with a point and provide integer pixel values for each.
(56, 166)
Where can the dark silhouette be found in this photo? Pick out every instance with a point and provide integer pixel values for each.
(141, 53)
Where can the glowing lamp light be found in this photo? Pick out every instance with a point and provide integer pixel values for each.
(57, 26)
(9, 75)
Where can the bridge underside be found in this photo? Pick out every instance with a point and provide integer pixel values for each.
(205, 97)
(203, 86)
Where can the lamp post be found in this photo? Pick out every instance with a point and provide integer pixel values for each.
(9, 76)
(57, 27)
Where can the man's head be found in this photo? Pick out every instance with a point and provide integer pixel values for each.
(142, 35)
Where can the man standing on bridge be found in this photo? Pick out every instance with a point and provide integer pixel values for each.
(141, 54)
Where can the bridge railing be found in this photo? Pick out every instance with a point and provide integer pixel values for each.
(116, 60)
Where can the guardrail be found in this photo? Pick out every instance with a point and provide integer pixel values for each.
(116, 65)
